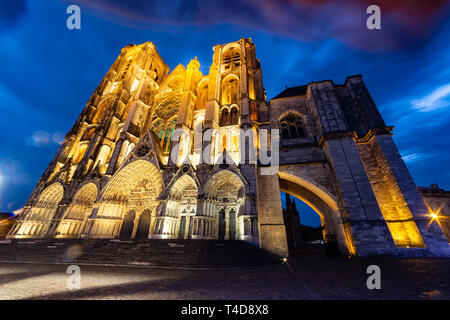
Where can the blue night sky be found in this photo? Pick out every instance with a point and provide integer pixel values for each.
(49, 72)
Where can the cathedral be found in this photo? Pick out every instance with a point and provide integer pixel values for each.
(160, 154)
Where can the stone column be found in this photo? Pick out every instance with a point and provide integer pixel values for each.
(112, 163)
(272, 232)
(201, 206)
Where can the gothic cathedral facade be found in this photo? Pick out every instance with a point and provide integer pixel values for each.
(157, 155)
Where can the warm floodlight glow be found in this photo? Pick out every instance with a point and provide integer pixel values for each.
(17, 212)
(434, 213)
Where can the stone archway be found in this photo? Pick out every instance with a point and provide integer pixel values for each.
(37, 219)
(225, 199)
(178, 220)
(321, 202)
(135, 187)
(76, 215)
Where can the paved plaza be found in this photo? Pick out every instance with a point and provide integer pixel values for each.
(311, 275)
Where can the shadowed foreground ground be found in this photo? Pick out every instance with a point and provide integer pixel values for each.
(309, 275)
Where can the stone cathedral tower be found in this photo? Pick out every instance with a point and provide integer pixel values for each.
(167, 155)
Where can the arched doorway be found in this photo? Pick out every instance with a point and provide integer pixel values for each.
(321, 202)
(134, 188)
(128, 225)
(76, 215)
(178, 218)
(37, 220)
(142, 231)
(225, 201)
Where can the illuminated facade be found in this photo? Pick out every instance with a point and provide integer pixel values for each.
(115, 177)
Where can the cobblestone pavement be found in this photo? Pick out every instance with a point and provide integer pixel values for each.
(306, 276)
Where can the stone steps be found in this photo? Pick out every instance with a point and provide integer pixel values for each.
(152, 252)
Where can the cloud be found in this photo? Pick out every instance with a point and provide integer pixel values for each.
(403, 21)
(412, 157)
(439, 98)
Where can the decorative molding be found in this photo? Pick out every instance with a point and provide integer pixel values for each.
(367, 138)
(333, 136)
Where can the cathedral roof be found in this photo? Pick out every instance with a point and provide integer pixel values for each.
(292, 92)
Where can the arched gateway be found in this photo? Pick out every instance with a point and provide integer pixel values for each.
(149, 158)
(324, 204)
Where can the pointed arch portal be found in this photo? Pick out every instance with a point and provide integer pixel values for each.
(131, 192)
(77, 212)
(225, 198)
(181, 208)
(37, 219)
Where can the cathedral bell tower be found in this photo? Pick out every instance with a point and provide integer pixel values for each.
(236, 87)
